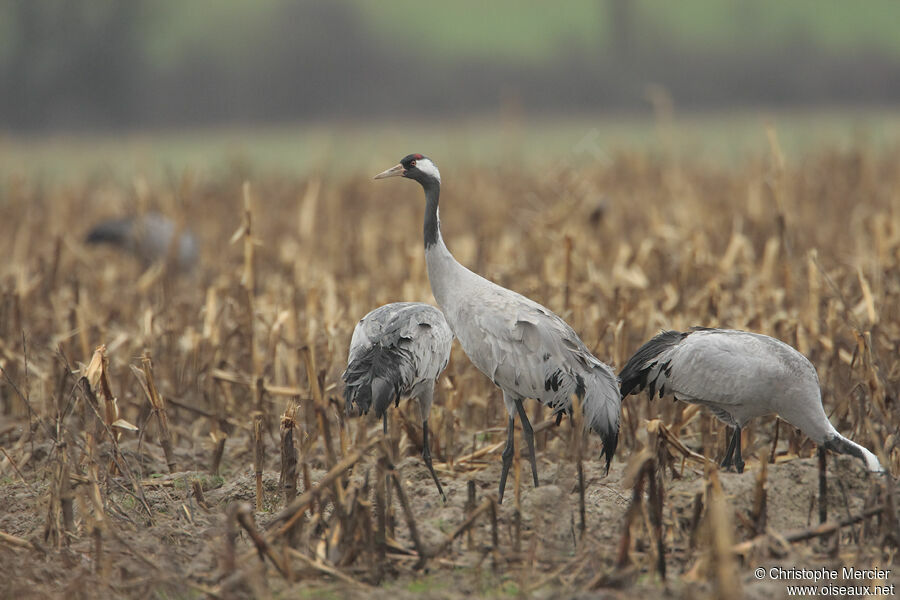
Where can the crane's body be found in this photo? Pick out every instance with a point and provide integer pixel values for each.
(738, 376)
(148, 237)
(524, 348)
(398, 351)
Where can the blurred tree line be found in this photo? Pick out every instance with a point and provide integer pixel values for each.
(69, 62)
(87, 64)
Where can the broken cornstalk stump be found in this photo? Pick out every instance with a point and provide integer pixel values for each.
(145, 378)
(288, 455)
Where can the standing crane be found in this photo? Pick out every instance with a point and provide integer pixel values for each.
(738, 375)
(524, 348)
(398, 350)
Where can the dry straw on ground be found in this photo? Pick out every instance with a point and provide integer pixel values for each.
(231, 377)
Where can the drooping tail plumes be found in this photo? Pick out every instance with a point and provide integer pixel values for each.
(644, 368)
(377, 377)
(601, 407)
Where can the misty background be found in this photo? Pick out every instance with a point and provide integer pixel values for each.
(82, 65)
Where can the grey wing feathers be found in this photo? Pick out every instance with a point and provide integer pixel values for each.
(394, 348)
(421, 328)
(430, 340)
(728, 367)
(528, 350)
(716, 367)
(648, 363)
(680, 363)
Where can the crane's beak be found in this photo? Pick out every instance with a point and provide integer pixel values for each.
(395, 171)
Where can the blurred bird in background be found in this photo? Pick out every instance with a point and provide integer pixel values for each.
(149, 238)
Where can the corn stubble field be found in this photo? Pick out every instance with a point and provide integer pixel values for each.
(246, 479)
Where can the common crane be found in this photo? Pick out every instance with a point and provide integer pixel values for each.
(398, 350)
(148, 237)
(738, 375)
(524, 348)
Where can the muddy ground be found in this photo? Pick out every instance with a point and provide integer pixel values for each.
(179, 552)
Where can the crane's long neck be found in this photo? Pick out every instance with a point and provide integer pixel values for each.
(432, 219)
(810, 417)
(838, 443)
(444, 272)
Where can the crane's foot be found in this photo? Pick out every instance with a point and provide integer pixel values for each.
(437, 482)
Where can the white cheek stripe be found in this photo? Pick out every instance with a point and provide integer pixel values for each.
(428, 167)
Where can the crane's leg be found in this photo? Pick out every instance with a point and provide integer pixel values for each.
(426, 456)
(734, 448)
(384, 422)
(823, 487)
(738, 461)
(729, 452)
(507, 455)
(529, 439)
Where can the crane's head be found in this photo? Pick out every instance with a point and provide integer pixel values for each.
(414, 166)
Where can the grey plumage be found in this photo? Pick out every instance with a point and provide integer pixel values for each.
(637, 371)
(524, 348)
(529, 352)
(738, 375)
(148, 237)
(398, 350)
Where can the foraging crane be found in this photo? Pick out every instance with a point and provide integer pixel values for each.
(398, 349)
(148, 237)
(738, 375)
(525, 349)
